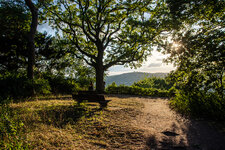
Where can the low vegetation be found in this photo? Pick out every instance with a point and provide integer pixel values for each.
(157, 87)
(11, 129)
(136, 90)
(17, 86)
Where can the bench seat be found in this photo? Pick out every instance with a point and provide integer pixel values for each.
(91, 96)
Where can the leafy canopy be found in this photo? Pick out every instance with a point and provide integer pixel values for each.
(200, 56)
(110, 32)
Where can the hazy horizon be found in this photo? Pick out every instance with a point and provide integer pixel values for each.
(154, 64)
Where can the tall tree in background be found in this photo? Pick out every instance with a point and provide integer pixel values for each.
(31, 46)
(14, 28)
(109, 32)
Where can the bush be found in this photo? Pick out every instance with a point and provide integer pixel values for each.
(11, 130)
(200, 94)
(17, 85)
(12, 85)
(41, 86)
(199, 104)
(61, 85)
(136, 90)
(153, 82)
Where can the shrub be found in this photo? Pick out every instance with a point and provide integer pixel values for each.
(11, 130)
(153, 82)
(12, 85)
(60, 84)
(41, 86)
(136, 90)
(17, 85)
(199, 104)
(200, 94)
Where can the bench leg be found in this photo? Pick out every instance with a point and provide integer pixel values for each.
(103, 104)
(79, 101)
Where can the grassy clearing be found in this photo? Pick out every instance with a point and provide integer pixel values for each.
(63, 124)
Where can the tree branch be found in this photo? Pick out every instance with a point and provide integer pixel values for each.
(119, 60)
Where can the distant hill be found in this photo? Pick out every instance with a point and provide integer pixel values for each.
(130, 78)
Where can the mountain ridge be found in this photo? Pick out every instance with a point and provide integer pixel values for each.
(131, 77)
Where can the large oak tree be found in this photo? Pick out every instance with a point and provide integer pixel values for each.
(104, 33)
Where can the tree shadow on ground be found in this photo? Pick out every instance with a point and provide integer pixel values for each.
(195, 135)
(55, 98)
(60, 116)
(165, 144)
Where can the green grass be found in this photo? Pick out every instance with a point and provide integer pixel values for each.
(11, 129)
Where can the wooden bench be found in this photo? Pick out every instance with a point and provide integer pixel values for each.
(91, 96)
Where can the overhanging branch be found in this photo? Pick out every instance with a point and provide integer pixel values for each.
(120, 60)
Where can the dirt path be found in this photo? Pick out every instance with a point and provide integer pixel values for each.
(165, 129)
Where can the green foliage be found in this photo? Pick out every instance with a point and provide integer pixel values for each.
(108, 33)
(17, 85)
(61, 85)
(11, 130)
(41, 86)
(147, 87)
(80, 110)
(198, 95)
(200, 73)
(153, 82)
(199, 104)
(200, 61)
(193, 11)
(136, 90)
(13, 31)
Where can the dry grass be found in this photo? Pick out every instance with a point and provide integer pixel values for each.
(62, 124)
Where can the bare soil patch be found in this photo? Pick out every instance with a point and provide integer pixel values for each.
(166, 129)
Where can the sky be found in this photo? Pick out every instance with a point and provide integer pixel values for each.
(154, 63)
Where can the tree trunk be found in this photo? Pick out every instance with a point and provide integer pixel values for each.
(31, 47)
(31, 60)
(100, 86)
(99, 69)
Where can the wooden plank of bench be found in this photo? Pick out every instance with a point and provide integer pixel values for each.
(96, 97)
(87, 92)
(91, 96)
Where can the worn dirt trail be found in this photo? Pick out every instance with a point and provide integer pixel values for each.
(166, 129)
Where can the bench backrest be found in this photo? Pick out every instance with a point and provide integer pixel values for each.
(87, 93)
